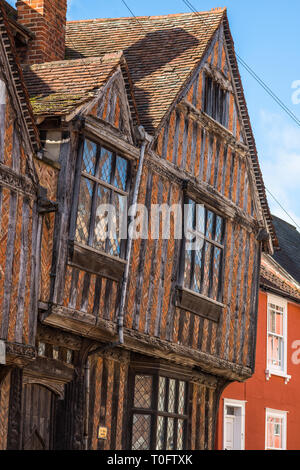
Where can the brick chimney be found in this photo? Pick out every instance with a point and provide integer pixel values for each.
(47, 20)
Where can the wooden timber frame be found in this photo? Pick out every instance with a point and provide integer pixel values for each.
(72, 361)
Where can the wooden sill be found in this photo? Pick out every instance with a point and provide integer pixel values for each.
(199, 304)
(95, 262)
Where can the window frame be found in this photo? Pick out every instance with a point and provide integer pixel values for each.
(273, 370)
(208, 106)
(281, 415)
(153, 411)
(221, 246)
(79, 175)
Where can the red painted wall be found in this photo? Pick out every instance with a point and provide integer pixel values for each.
(261, 394)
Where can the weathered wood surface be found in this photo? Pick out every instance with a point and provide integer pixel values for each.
(18, 230)
(212, 162)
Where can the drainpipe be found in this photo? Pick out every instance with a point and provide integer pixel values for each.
(145, 139)
(87, 404)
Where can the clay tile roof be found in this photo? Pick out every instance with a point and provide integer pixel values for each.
(56, 88)
(161, 53)
(275, 278)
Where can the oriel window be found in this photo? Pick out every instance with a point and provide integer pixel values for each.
(104, 183)
(159, 414)
(202, 258)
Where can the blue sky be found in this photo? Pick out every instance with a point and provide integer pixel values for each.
(266, 35)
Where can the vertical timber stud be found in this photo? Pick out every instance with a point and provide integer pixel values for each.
(14, 438)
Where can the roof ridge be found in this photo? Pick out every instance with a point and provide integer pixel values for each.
(94, 59)
(172, 15)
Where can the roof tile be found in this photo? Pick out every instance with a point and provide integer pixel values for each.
(56, 88)
(157, 49)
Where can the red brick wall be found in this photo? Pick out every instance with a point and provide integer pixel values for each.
(47, 20)
(259, 393)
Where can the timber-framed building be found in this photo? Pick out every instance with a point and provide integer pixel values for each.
(125, 344)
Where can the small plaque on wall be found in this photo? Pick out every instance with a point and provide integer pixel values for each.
(2, 352)
(102, 432)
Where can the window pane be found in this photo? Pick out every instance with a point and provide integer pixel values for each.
(101, 217)
(207, 268)
(187, 268)
(197, 271)
(171, 397)
(200, 218)
(121, 173)
(84, 210)
(181, 398)
(210, 225)
(275, 351)
(180, 425)
(216, 272)
(230, 410)
(142, 391)
(219, 229)
(141, 432)
(276, 319)
(105, 165)
(190, 215)
(114, 242)
(160, 433)
(170, 434)
(162, 394)
(89, 157)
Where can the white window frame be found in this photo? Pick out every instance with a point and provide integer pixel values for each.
(281, 302)
(236, 404)
(276, 414)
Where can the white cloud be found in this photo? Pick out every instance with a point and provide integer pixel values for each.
(280, 162)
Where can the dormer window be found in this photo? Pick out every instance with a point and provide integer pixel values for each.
(215, 101)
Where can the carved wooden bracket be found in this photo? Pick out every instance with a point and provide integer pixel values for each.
(17, 182)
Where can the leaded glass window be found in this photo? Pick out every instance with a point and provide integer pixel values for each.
(159, 415)
(104, 183)
(203, 258)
